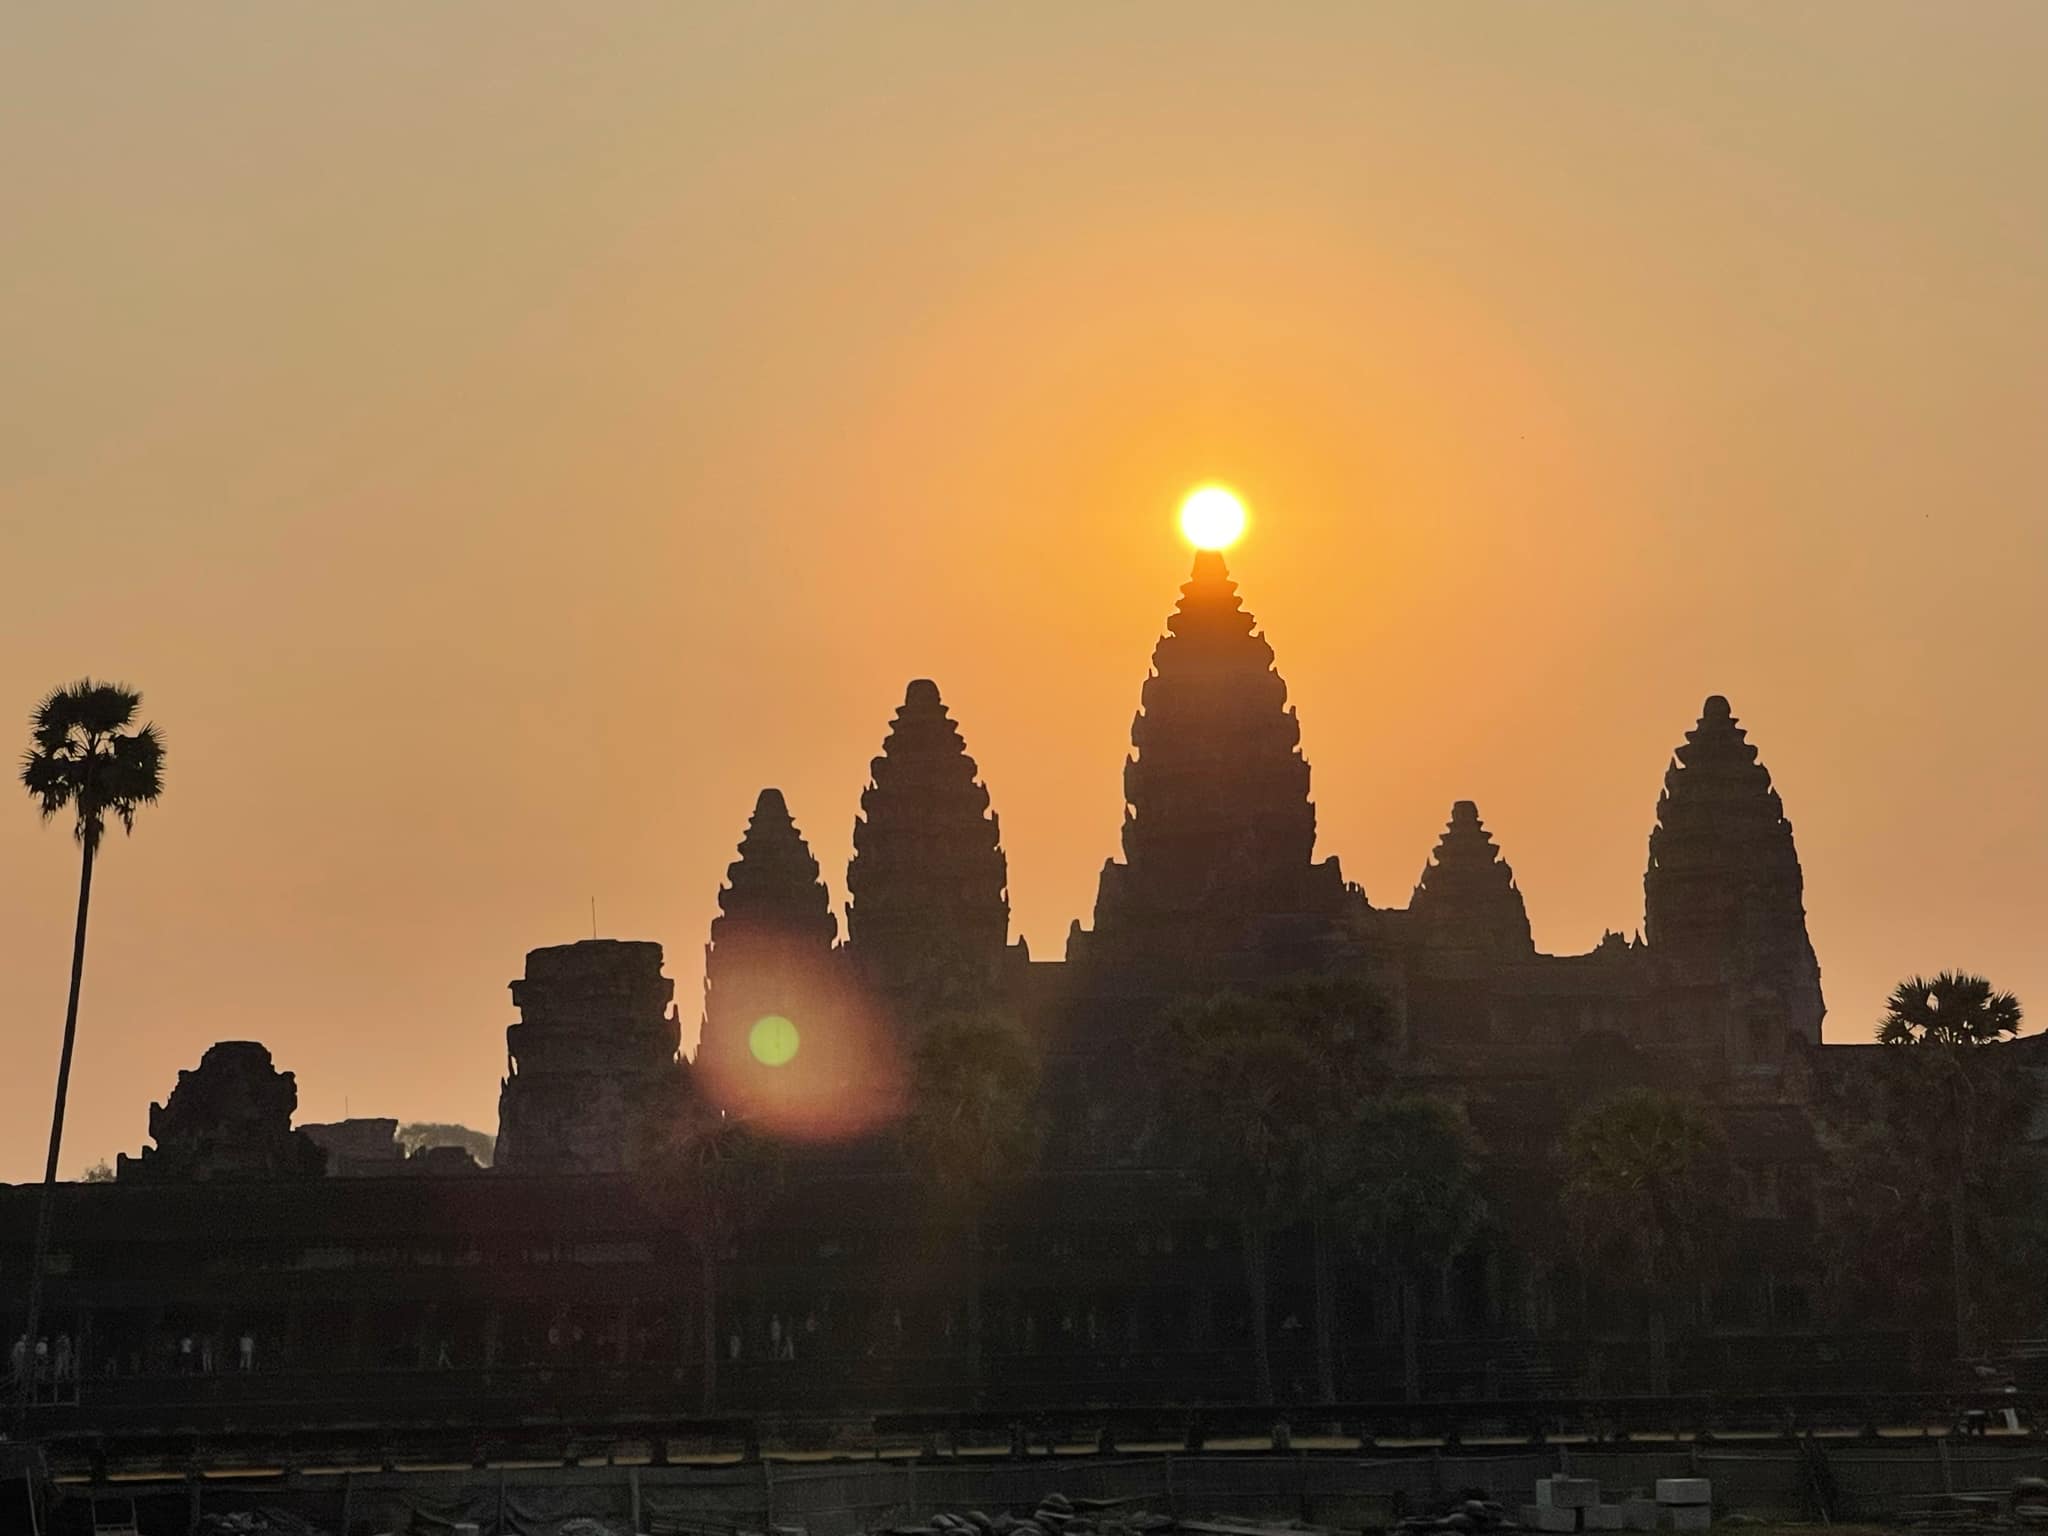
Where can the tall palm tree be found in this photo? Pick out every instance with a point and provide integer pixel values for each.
(1643, 1192)
(1945, 1021)
(1350, 1028)
(969, 1128)
(82, 757)
(1411, 1201)
(721, 1176)
(1260, 1141)
(1253, 1102)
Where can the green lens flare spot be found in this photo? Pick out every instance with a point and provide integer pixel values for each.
(773, 1040)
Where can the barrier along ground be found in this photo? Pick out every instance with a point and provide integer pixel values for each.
(1809, 1480)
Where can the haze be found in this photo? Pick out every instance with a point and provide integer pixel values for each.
(498, 440)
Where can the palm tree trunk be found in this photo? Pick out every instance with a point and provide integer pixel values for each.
(1959, 1265)
(1411, 1340)
(1255, 1285)
(46, 1207)
(1660, 1359)
(707, 1289)
(1326, 1317)
(975, 1384)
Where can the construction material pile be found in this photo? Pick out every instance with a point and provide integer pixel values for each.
(1056, 1515)
(1472, 1517)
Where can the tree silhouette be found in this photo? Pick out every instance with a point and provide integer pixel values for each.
(1260, 1087)
(420, 1134)
(969, 1129)
(1349, 1028)
(1952, 1010)
(82, 757)
(720, 1176)
(1410, 1200)
(1959, 1107)
(1644, 1194)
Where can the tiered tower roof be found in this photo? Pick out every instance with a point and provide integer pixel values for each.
(1467, 898)
(1723, 894)
(1219, 830)
(929, 883)
(774, 883)
(771, 959)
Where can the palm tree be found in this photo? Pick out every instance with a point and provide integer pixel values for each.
(1411, 1200)
(1257, 1099)
(1350, 1029)
(1945, 1021)
(1644, 1187)
(1256, 1158)
(720, 1176)
(83, 758)
(1952, 1010)
(969, 1128)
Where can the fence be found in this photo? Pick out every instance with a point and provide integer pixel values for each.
(840, 1498)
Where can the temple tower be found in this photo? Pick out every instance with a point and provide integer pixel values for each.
(929, 915)
(1219, 831)
(1724, 904)
(1467, 902)
(592, 1075)
(229, 1117)
(770, 952)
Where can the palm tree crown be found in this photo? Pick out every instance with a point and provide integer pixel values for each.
(1410, 1188)
(969, 1123)
(1952, 1009)
(84, 757)
(1644, 1180)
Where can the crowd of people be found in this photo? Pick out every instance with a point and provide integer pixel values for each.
(52, 1369)
(200, 1355)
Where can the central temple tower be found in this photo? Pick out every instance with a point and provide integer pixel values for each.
(1219, 831)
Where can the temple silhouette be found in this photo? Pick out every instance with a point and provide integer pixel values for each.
(1104, 1272)
(1219, 886)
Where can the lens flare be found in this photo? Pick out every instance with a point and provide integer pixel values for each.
(773, 1040)
(1212, 517)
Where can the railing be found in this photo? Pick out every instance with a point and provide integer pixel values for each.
(574, 1429)
(1471, 1372)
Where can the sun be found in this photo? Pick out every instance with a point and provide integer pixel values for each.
(1212, 517)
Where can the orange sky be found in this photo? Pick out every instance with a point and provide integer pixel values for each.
(500, 439)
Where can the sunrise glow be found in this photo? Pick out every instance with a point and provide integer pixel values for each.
(1212, 517)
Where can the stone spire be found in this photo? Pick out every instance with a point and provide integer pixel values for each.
(1218, 827)
(929, 884)
(1467, 898)
(770, 948)
(773, 886)
(1724, 901)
